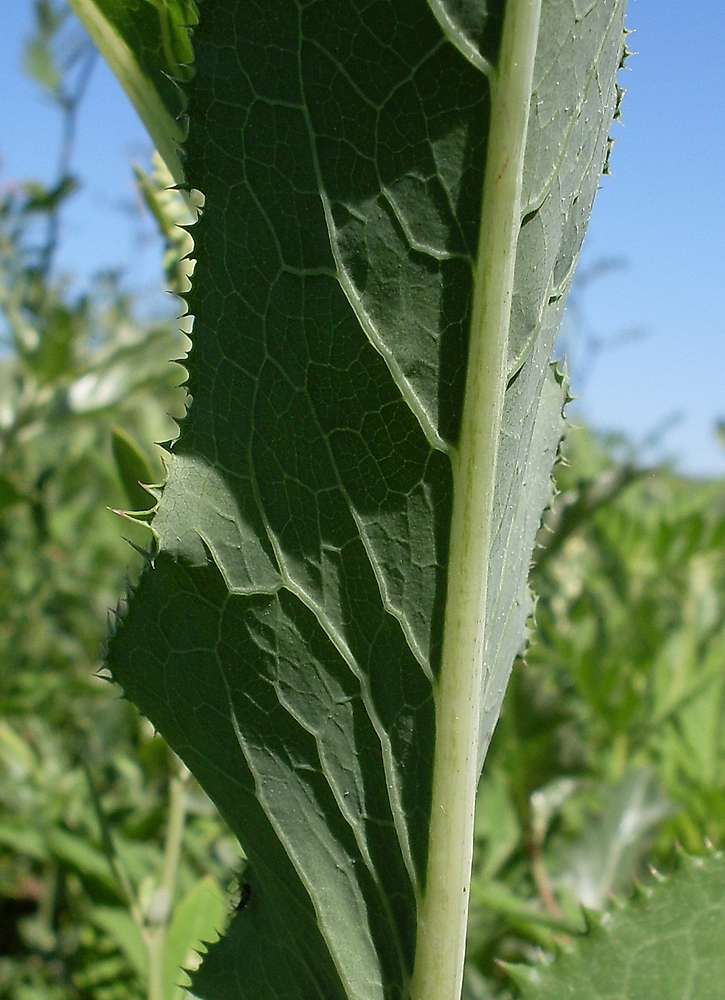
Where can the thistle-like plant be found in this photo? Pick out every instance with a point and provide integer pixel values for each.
(395, 197)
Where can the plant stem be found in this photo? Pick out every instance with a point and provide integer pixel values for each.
(175, 831)
(155, 936)
(443, 910)
(70, 101)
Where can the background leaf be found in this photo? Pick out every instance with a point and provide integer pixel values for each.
(198, 919)
(670, 942)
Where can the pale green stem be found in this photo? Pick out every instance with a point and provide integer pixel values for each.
(443, 910)
(155, 935)
(155, 940)
(174, 831)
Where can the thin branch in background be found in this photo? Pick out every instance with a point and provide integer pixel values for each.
(70, 102)
(60, 57)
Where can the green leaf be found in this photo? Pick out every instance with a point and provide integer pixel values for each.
(120, 926)
(498, 897)
(606, 857)
(344, 539)
(669, 943)
(79, 855)
(134, 470)
(23, 841)
(40, 66)
(39, 59)
(45, 200)
(497, 826)
(146, 44)
(197, 920)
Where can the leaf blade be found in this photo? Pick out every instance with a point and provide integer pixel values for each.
(296, 611)
(146, 44)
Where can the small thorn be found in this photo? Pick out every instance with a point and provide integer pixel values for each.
(147, 554)
(641, 891)
(592, 919)
(522, 975)
(142, 517)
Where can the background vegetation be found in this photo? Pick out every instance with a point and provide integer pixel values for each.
(113, 865)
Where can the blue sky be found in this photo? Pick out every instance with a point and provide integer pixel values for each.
(656, 322)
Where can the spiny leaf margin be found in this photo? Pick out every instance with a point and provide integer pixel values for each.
(146, 43)
(667, 942)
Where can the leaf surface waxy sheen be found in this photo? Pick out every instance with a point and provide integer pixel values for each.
(288, 641)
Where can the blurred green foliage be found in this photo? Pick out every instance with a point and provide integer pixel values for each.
(113, 865)
(85, 388)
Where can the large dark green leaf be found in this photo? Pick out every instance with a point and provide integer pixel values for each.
(669, 943)
(340, 587)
